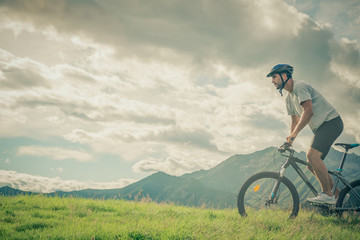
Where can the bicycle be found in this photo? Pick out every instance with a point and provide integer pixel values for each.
(272, 190)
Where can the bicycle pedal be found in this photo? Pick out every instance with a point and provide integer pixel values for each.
(323, 205)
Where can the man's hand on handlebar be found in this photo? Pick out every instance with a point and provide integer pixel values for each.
(290, 139)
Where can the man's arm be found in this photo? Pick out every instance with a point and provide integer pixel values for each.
(294, 121)
(298, 124)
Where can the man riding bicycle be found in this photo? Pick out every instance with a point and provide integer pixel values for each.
(307, 106)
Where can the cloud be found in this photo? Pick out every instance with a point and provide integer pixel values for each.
(54, 153)
(126, 139)
(5, 160)
(346, 15)
(346, 61)
(59, 169)
(204, 30)
(33, 183)
(342, 17)
(150, 81)
(172, 165)
(17, 75)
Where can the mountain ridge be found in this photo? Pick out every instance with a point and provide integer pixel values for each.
(216, 187)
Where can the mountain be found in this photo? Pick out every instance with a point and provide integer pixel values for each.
(8, 191)
(162, 187)
(159, 187)
(216, 187)
(231, 173)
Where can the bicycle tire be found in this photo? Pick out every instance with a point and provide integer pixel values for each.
(346, 200)
(257, 189)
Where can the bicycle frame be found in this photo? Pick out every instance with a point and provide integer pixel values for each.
(292, 161)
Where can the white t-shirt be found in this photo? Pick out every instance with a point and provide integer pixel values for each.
(322, 109)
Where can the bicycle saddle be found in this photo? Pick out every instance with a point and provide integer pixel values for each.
(347, 146)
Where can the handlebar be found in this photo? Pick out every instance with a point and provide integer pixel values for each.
(286, 148)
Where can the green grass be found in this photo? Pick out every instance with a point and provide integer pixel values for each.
(41, 217)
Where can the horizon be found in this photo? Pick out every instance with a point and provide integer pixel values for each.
(105, 93)
(336, 149)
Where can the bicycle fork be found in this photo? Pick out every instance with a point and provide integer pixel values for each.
(275, 193)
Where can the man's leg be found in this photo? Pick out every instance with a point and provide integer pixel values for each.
(320, 170)
(337, 191)
(324, 137)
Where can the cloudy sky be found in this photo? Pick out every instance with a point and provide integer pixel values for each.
(99, 94)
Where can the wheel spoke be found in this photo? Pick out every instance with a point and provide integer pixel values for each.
(265, 192)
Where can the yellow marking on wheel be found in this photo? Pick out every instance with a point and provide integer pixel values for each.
(256, 188)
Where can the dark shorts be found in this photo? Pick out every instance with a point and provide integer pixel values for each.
(326, 135)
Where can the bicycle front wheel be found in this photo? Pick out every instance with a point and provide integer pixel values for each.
(267, 194)
(349, 200)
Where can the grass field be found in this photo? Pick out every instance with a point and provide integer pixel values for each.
(41, 217)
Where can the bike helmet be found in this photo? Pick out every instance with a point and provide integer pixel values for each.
(282, 68)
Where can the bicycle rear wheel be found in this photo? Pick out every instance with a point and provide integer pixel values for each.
(256, 196)
(348, 201)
